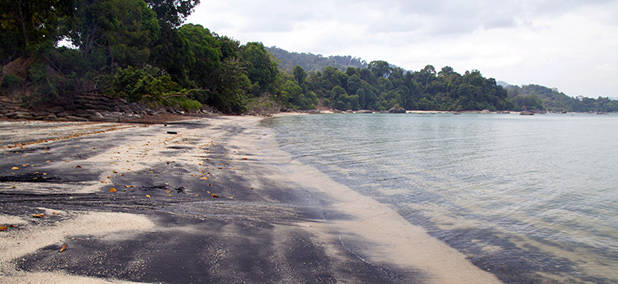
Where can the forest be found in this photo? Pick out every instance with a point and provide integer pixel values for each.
(540, 98)
(313, 62)
(142, 51)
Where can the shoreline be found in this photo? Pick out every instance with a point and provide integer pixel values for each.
(273, 218)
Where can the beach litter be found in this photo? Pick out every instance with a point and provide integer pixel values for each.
(39, 215)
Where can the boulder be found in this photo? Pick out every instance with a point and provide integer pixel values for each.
(56, 109)
(397, 109)
(75, 118)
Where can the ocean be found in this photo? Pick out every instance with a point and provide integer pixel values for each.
(528, 198)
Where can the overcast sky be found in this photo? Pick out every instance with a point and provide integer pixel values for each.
(571, 45)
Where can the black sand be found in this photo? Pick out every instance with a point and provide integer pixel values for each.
(243, 235)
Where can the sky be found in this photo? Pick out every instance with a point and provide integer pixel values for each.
(571, 45)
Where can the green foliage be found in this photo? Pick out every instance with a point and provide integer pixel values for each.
(203, 56)
(300, 75)
(531, 102)
(381, 87)
(44, 86)
(29, 27)
(136, 84)
(10, 83)
(555, 101)
(139, 50)
(230, 94)
(293, 96)
(114, 32)
(311, 62)
(184, 103)
(172, 13)
(261, 67)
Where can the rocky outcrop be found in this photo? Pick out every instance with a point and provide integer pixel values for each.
(82, 107)
(397, 109)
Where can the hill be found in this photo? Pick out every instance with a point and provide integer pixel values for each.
(540, 98)
(312, 62)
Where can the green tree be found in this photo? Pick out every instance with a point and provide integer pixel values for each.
(380, 68)
(203, 55)
(261, 67)
(115, 32)
(299, 75)
(28, 26)
(230, 93)
(172, 13)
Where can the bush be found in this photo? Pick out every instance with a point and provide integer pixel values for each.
(45, 85)
(10, 83)
(184, 103)
(148, 83)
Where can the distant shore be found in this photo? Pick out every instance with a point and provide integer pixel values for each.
(207, 200)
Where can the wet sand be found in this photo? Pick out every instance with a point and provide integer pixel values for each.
(214, 201)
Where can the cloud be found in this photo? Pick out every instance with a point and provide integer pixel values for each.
(568, 44)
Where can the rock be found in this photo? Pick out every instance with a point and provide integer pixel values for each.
(75, 118)
(56, 110)
(397, 109)
(526, 112)
(51, 116)
(40, 114)
(23, 115)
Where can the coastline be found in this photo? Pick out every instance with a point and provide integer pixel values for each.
(274, 218)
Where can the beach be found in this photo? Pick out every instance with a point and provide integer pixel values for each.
(205, 200)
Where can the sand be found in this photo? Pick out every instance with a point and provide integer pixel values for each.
(267, 201)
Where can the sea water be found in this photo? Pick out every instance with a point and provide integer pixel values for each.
(529, 198)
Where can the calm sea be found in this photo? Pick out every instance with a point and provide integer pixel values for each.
(529, 198)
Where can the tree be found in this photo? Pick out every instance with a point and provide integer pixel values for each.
(300, 75)
(380, 68)
(172, 13)
(27, 26)
(115, 32)
(261, 67)
(203, 55)
(230, 93)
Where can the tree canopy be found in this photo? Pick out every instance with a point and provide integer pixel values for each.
(142, 51)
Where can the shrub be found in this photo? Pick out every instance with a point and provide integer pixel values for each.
(149, 83)
(184, 103)
(9, 83)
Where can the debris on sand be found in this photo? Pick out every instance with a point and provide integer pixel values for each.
(39, 215)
